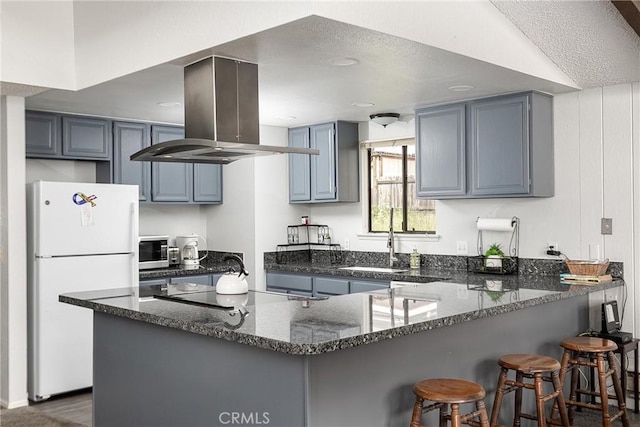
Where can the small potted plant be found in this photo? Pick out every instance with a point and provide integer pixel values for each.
(494, 256)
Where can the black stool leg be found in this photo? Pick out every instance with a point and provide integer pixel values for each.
(455, 415)
(518, 402)
(575, 371)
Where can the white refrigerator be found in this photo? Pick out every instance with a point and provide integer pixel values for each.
(81, 237)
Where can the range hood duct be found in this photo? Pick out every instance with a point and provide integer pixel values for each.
(221, 120)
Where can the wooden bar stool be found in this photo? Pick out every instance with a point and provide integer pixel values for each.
(450, 391)
(591, 352)
(530, 366)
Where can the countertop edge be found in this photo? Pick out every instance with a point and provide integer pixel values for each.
(343, 343)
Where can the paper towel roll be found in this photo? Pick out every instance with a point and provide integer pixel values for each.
(495, 224)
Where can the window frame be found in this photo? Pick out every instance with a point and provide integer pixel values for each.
(405, 186)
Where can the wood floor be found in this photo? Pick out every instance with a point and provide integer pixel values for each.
(76, 407)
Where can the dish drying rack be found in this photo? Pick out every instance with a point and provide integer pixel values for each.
(508, 264)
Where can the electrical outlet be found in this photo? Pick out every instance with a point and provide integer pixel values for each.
(462, 247)
(346, 244)
(553, 249)
(610, 295)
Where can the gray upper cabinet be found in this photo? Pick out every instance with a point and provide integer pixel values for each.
(183, 182)
(127, 139)
(493, 147)
(43, 134)
(441, 151)
(331, 176)
(170, 182)
(499, 140)
(323, 166)
(207, 183)
(58, 136)
(86, 137)
(299, 166)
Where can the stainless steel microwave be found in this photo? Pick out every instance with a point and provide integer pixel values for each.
(152, 252)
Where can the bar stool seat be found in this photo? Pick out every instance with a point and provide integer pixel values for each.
(530, 366)
(591, 352)
(445, 392)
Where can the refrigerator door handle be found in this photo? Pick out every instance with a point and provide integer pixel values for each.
(134, 243)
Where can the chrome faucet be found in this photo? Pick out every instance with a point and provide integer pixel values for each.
(391, 243)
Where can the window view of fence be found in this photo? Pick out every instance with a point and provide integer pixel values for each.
(392, 185)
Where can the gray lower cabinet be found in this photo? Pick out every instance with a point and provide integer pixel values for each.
(129, 138)
(312, 285)
(367, 285)
(204, 279)
(290, 283)
(332, 175)
(330, 286)
(59, 136)
(492, 147)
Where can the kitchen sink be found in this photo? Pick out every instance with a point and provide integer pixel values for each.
(376, 269)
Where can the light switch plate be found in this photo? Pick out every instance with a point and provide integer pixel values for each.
(462, 247)
(606, 226)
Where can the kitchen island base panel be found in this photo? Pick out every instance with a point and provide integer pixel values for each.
(150, 375)
(146, 374)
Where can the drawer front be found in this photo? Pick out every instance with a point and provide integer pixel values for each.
(365, 286)
(329, 286)
(199, 280)
(290, 282)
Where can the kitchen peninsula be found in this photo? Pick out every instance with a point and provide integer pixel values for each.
(286, 360)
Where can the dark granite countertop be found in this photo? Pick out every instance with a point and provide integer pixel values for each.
(159, 273)
(300, 325)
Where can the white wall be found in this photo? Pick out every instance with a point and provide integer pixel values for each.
(60, 170)
(179, 220)
(273, 213)
(36, 43)
(13, 268)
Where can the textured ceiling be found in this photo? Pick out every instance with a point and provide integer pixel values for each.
(588, 40)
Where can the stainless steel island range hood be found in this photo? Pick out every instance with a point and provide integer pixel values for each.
(221, 121)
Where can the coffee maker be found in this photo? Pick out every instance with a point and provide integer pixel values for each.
(188, 247)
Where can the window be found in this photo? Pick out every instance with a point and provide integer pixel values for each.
(392, 184)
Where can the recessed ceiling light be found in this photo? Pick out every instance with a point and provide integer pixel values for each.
(286, 117)
(363, 104)
(169, 104)
(460, 88)
(343, 62)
